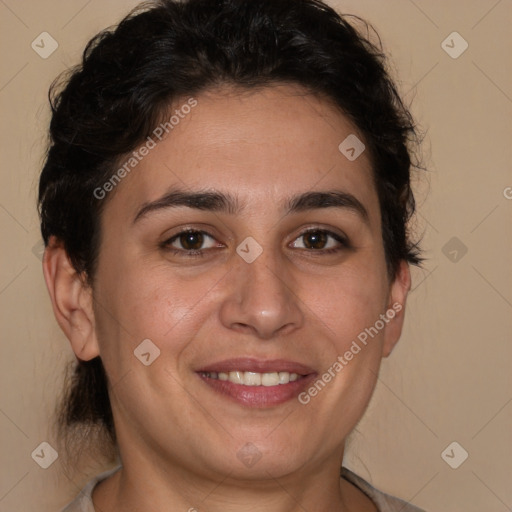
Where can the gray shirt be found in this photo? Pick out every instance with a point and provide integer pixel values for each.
(384, 502)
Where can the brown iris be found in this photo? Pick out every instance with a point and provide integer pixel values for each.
(315, 240)
(192, 241)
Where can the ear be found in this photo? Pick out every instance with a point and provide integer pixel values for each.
(71, 300)
(396, 307)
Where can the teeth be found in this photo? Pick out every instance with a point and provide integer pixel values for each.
(254, 378)
(236, 377)
(284, 377)
(270, 379)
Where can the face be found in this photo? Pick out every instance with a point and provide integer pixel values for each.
(244, 241)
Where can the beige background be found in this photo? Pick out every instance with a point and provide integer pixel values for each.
(449, 378)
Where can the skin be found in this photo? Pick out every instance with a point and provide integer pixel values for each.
(178, 438)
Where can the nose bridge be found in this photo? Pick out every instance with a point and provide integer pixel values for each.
(265, 281)
(262, 299)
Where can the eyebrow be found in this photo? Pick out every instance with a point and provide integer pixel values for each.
(227, 203)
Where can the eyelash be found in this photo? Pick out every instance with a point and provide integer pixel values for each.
(166, 245)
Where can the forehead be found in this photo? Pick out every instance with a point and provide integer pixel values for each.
(262, 144)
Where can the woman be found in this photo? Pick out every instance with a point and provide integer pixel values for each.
(224, 206)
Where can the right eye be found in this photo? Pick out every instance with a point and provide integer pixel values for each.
(190, 242)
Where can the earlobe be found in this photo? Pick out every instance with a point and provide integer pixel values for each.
(396, 308)
(71, 300)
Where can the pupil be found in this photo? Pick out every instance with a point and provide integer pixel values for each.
(316, 240)
(192, 241)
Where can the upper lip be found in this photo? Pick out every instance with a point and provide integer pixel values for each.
(247, 364)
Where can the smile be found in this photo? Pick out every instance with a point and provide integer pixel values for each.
(257, 383)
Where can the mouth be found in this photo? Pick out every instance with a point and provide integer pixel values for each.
(257, 383)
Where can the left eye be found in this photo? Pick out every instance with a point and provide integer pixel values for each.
(319, 239)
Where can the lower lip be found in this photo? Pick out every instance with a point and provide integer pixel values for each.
(259, 396)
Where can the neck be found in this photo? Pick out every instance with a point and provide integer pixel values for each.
(142, 484)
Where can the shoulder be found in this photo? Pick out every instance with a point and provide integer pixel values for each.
(383, 501)
(83, 502)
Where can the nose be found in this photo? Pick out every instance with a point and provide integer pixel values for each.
(261, 299)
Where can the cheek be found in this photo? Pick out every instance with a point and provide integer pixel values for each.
(153, 302)
(348, 302)
(346, 308)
